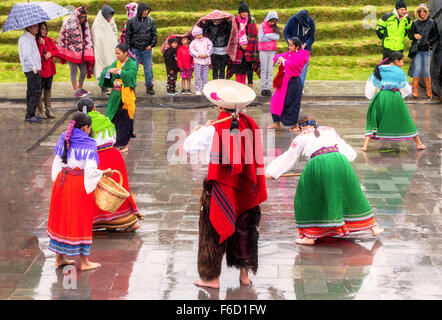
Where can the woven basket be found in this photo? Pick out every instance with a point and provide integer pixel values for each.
(110, 195)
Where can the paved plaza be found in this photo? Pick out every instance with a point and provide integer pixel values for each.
(159, 261)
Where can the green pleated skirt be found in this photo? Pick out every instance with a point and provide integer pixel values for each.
(329, 200)
(388, 118)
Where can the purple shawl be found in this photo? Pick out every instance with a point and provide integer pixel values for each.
(81, 145)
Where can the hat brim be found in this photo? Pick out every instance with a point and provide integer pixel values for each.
(245, 93)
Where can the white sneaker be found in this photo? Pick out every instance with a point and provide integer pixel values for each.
(198, 93)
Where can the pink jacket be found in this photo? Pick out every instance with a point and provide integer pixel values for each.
(201, 46)
(267, 45)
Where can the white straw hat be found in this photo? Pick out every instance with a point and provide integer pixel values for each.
(228, 94)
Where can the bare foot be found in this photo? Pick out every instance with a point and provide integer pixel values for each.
(421, 147)
(244, 276)
(124, 150)
(85, 264)
(308, 241)
(364, 149)
(133, 227)
(376, 231)
(61, 260)
(275, 125)
(210, 283)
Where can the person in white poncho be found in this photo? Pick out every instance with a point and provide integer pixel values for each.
(105, 38)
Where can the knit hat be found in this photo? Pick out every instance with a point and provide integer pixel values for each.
(243, 7)
(196, 31)
(172, 40)
(243, 40)
(401, 4)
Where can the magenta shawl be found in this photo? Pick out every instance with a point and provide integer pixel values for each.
(293, 66)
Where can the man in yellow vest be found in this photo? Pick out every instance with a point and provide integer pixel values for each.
(392, 29)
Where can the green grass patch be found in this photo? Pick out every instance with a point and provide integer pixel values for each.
(165, 5)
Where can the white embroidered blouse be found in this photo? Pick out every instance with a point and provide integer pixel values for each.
(306, 144)
(91, 172)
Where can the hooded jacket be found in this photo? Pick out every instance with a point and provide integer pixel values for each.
(267, 37)
(426, 28)
(106, 11)
(141, 32)
(392, 30)
(301, 25)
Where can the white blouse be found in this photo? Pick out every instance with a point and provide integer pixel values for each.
(200, 141)
(371, 89)
(106, 139)
(305, 144)
(91, 172)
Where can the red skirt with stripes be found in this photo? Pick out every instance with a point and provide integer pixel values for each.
(70, 215)
(127, 214)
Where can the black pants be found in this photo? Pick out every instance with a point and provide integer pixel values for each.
(388, 52)
(46, 83)
(33, 92)
(292, 103)
(219, 63)
(124, 127)
(241, 248)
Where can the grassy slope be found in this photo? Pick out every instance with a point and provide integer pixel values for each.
(343, 50)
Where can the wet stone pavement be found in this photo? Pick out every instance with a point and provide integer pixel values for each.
(159, 261)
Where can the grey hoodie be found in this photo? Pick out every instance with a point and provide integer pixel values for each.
(262, 37)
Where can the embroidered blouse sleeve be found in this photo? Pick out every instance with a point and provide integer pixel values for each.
(91, 175)
(345, 148)
(405, 91)
(56, 167)
(287, 160)
(370, 87)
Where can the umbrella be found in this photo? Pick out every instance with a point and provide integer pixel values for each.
(26, 14)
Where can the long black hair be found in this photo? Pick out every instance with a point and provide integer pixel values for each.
(391, 58)
(122, 47)
(39, 29)
(79, 120)
(296, 41)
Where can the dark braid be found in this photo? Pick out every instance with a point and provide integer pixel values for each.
(79, 120)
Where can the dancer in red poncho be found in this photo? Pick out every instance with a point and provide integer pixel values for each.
(234, 188)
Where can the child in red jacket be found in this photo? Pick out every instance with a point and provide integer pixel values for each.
(185, 64)
(48, 50)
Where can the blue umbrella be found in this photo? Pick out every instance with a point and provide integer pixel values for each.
(26, 14)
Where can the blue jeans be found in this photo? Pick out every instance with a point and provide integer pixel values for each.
(303, 74)
(422, 61)
(145, 56)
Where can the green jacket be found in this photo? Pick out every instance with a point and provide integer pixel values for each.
(392, 31)
(129, 78)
